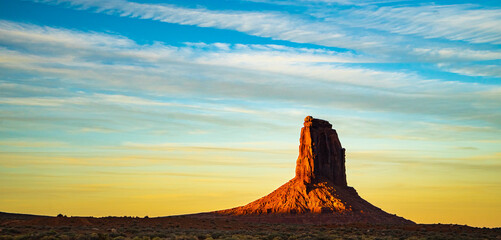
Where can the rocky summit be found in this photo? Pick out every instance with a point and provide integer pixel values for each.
(319, 187)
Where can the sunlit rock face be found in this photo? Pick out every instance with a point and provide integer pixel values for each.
(319, 186)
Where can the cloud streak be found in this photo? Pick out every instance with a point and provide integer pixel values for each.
(244, 72)
(440, 34)
(273, 25)
(453, 22)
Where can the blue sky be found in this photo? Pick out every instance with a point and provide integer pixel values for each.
(207, 97)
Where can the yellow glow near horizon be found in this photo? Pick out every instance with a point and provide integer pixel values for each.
(71, 186)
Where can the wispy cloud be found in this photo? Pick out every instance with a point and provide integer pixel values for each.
(325, 2)
(31, 143)
(487, 70)
(243, 147)
(453, 22)
(463, 54)
(418, 161)
(401, 33)
(264, 24)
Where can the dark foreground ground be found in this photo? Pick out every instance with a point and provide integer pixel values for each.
(203, 226)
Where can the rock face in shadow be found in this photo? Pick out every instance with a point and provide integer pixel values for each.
(320, 185)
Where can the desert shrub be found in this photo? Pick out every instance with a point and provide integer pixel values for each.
(322, 236)
(201, 235)
(94, 236)
(26, 237)
(243, 237)
(216, 235)
(114, 235)
(81, 237)
(65, 228)
(48, 238)
(414, 238)
(98, 236)
(132, 230)
(11, 231)
(348, 238)
(272, 236)
(160, 235)
(306, 237)
(63, 237)
(185, 237)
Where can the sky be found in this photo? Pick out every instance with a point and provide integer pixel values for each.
(135, 108)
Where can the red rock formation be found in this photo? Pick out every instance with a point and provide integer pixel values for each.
(321, 156)
(319, 185)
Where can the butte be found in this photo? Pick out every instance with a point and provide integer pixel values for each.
(319, 191)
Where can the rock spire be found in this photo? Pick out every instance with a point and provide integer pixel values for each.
(321, 156)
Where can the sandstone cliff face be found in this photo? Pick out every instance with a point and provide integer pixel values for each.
(319, 185)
